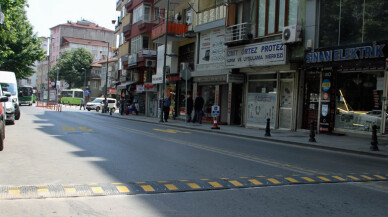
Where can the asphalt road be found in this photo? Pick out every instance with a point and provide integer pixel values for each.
(82, 149)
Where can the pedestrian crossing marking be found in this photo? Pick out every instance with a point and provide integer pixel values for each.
(171, 187)
(274, 181)
(236, 183)
(193, 185)
(308, 179)
(215, 184)
(122, 189)
(291, 179)
(254, 181)
(339, 178)
(147, 188)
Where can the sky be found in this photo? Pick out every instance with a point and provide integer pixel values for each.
(44, 14)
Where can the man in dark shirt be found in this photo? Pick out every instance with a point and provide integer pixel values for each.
(198, 105)
(166, 107)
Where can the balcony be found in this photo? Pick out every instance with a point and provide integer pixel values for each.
(95, 76)
(127, 30)
(163, 3)
(138, 28)
(173, 29)
(238, 33)
(211, 15)
(134, 3)
(118, 4)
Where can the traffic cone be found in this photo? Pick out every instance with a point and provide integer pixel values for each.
(215, 126)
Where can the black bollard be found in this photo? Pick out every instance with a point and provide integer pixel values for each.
(374, 142)
(312, 132)
(267, 129)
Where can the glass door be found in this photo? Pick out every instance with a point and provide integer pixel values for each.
(286, 102)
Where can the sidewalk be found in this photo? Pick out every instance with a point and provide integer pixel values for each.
(350, 143)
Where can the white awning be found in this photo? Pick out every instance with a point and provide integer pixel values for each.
(125, 85)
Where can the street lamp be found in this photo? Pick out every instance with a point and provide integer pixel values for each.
(164, 60)
(84, 78)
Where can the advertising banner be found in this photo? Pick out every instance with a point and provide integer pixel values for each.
(158, 78)
(212, 47)
(260, 54)
(132, 60)
(261, 106)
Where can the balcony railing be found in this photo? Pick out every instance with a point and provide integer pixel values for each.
(127, 29)
(239, 32)
(173, 28)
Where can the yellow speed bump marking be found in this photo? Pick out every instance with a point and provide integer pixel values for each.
(339, 178)
(14, 192)
(308, 179)
(215, 184)
(324, 178)
(367, 177)
(170, 131)
(274, 181)
(68, 129)
(147, 188)
(291, 179)
(236, 183)
(193, 185)
(70, 190)
(354, 178)
(97, 190)
(380, 177)
(85, 129)
(122, 189)
(42, 190)
(254, 181)
(171, 187)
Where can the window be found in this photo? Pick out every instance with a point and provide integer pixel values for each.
(208, 4)
(142, 13)
(138, 43)
(273, 17)
(156, 13)
(95, 86)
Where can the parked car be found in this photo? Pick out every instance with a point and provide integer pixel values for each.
(3, 99)
(10, 110)
(98, 103)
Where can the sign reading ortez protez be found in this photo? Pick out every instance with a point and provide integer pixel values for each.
(261, 54)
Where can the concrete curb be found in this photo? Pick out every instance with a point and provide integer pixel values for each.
(270, 139)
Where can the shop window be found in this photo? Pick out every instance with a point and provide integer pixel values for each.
(359, 100)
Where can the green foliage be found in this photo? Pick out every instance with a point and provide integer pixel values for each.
(72, 65)
(19, 47)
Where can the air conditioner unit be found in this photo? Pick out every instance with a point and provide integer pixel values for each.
(189, 17)
(150, 63)
(291, 34)
(184, 66)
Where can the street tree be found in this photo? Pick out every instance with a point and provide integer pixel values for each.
(19, 46)
(72, 66)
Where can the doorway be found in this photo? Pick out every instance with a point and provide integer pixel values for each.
(311, 99)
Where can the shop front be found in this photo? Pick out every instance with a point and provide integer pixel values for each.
(352, 90)
(271, 87)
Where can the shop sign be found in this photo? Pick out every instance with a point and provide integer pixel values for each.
(132, 60)
(139, 88)
(157, 79)
(148, 87)
(326, 85)
(217, 78)
(174, 78)
(123, 79)
(259, 54)
(235, 78)
(148, 53)
(355, 53)
(212, 46)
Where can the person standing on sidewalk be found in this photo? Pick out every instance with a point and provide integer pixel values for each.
(190, 105)
(198, 105)
(166, 107)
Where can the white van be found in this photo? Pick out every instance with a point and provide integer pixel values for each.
(8, 84)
